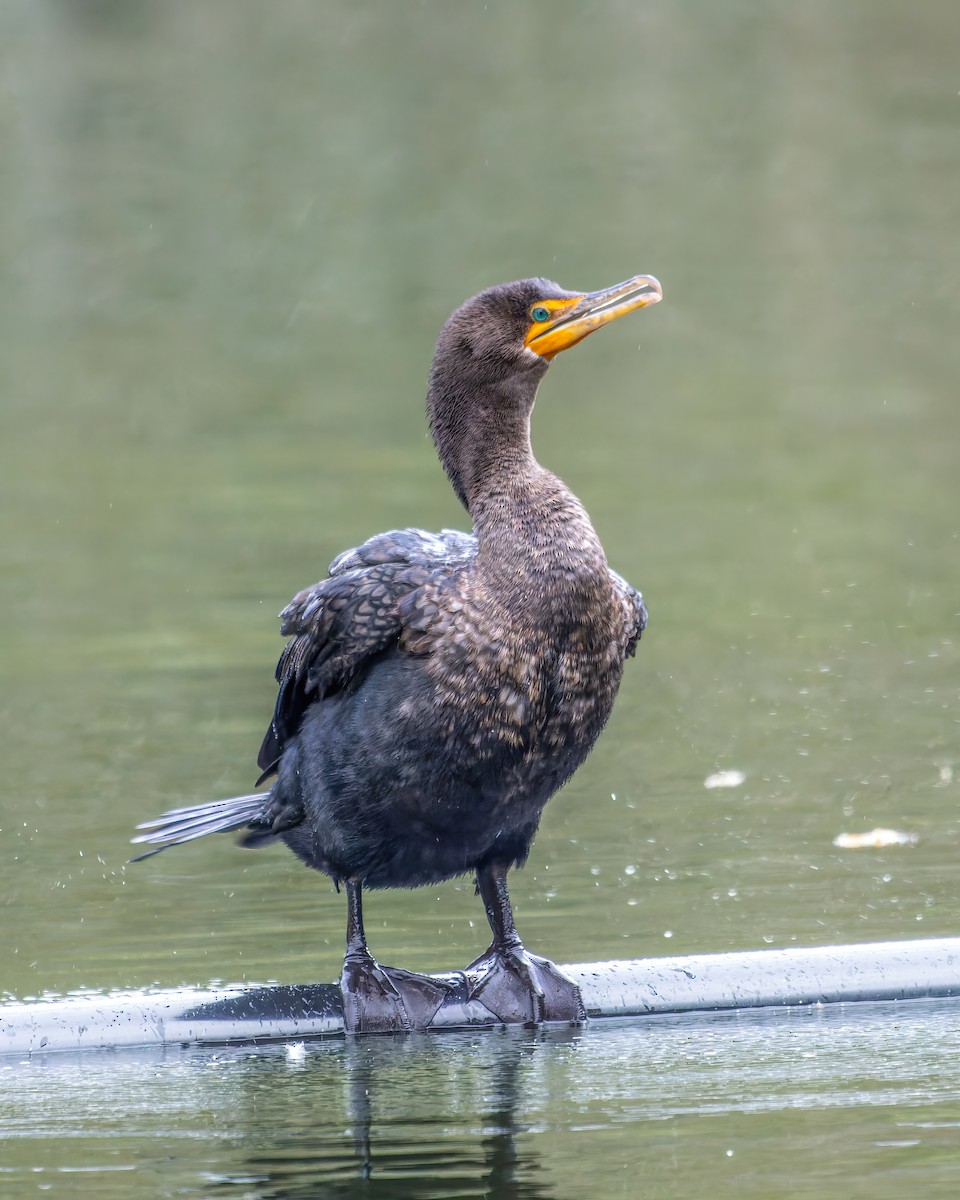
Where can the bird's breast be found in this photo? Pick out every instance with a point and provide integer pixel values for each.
(532, 675)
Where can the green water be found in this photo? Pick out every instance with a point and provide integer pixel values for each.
(745, 1105)
(228, 236)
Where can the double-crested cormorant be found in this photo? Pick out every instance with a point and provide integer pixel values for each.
(437, 689)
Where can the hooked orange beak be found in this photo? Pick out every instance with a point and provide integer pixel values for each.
(569, 321)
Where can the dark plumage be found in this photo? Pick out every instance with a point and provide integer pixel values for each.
(437, 689)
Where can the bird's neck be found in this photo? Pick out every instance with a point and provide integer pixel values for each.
(482, 435)
(530, 523)
(527, 521)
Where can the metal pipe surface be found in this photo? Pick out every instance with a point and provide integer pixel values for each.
(637, 987)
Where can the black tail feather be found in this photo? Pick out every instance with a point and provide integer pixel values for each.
(181, 825)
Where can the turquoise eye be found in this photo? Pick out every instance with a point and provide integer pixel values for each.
(539, 313)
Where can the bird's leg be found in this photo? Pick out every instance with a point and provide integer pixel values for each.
(379, 999)
(516, 986)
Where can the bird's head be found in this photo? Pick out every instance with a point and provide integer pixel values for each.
(526, 323)
(491, 354)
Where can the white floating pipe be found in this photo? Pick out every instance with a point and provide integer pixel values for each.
(637, 987)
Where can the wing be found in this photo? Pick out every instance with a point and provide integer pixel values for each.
(339, 624)
(636, 611)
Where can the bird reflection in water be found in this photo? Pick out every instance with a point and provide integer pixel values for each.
(437, 1116)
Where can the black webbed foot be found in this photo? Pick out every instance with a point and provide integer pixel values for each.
(379, 999)
(516, 986)
(521, 988)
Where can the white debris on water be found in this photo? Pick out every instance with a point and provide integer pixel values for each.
(724, 779)
(874, 839)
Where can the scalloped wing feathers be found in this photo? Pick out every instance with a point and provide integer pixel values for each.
(636, 609)
(373, 592)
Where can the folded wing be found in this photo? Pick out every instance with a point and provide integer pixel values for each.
(337, 626)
